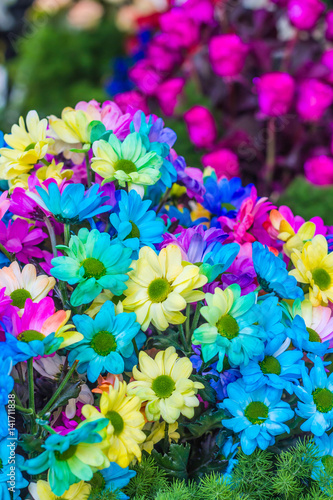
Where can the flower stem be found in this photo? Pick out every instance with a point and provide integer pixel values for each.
(52, 235)
(163, 200)
(31, 383)
(88, 170)
(135, 348)
(59, 390)
(49, 429)
(187, 324)
(6, 253)
(196, 317)
(182, 337)
(166, 438)
(21, 409)
(67, 233)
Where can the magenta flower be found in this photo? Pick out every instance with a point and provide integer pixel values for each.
(304, 14)
(201, 126)
(314, 97)
(4, 204)
(145, 76)
(275, 93)
(183, 31)
(223, 161)
(109, 114)
(133, 99)
(167, 94)
(21, 239)
(329, 26)
(66, 424)
(227, 54)
(23, 205)
(5, 301)
(319, 170)
(327, 60)
(160, 55)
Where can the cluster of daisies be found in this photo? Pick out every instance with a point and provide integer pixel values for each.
(132, 287)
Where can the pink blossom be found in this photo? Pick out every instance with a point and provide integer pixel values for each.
(319, 170)
(314, 97)
(327, 60)
(168, 93)
(201, 126)
(4, 204)
(329, 26)
(224, 162)
(21, 239)
(65, 424)
(161, 55)
(304, 14)
(131, 100)
(23, 205)
(110, 114)
(227, 54)
(182, 30)
(145, 76)
(5, 301)
(275, 93)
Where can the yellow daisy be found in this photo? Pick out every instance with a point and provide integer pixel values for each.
(42, 491)
(164, 382)
(160, 286)
(314, 265)
(25, 284)
(29, 145)
(293, 240)
(101, 299)
(156, 434)
(124, 432)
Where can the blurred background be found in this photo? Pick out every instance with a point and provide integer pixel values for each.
(211, 68)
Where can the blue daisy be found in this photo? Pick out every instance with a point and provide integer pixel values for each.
(73, 204)
(316, 399)
(303, 339)
(324, 444)
(136, 225)
(107, 341)
(269, 314)
(256, 416)
(275, 367)
(115, 478)
(272, 274)
(11, 479)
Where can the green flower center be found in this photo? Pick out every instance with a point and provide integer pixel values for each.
(116, 421)
(1, 464)
(93, 268)
(313, 335)
(158, 290)
(163, 386)
(228, 327)
(321, 278)
(323, 399)
(228, 206)
(135, 233)
(19, 297)
(103, 343)
(126, 166)
(66, 455)
(327, 462)
(97, 482)
(256, 412)
(270, 365)
(30, 335)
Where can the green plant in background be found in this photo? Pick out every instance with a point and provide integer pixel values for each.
(57, 66)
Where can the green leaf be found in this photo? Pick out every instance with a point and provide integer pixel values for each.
(175, 462)
(84, 149)
(96, 129)
(171, 338)
(208, 421)
(71, 390)
(208, 394)
(31, 444)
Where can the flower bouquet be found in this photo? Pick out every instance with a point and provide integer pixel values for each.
(164, 333)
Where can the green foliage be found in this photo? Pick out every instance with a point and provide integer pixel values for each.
(148, 481)
(174, 463)
(178, 490)
(253, 475)
(305, 199)
(106, 495)
(213, 486)
(211, 419)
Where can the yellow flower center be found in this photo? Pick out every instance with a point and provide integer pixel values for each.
(323, 399)
(30, 335)
(163, 386)
(321, 278)
(158, 290)
(66, 455)
(116, 421)
(270, 365)
(19, 297)
(228, 327)
(126, 166)
(135, 233)
(256, 412)
(313, 335)
(93, 268)
(103, 343)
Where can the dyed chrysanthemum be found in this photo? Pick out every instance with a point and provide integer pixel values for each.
(314, 265)
(72, 128)
(73, 457)
(272, 273)
(157, 433)
(107, 339)
(164, 383)
(257, 417)
(113, 478)
(39, 330)
(22, 285)
(73, 204)
(136, 226)
(94, 263)
(42, 491)
(231, 328)
(29, 145)
(276, 367)
(324, 444)
(127, 161)
(21, 239)
(160, 286)
(318, 320)
(316, 399)
(11, 464)
(125, 423)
